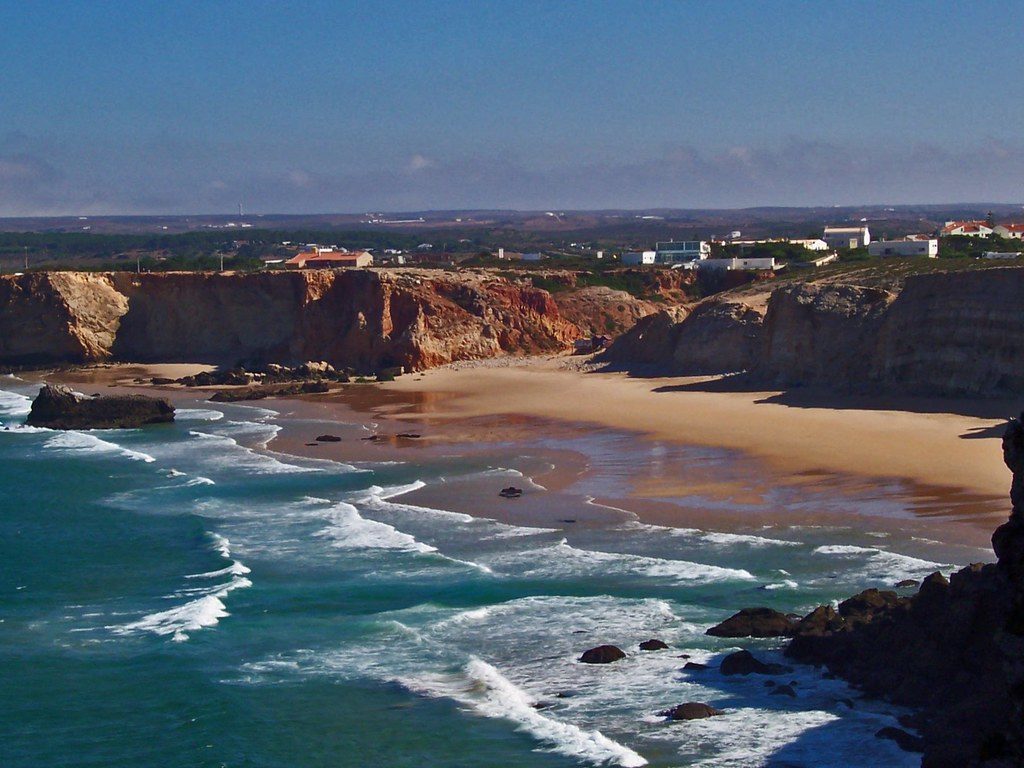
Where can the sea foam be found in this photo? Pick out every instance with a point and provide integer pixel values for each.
(482, 687)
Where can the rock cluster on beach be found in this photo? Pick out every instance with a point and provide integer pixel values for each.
(58, 407)
(954, 651)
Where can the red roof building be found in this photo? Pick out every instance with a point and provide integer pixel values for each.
(323, 258)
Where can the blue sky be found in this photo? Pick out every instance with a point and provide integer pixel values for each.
(348, 106)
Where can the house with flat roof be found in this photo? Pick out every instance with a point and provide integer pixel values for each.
(638, 258)
(929, 248)
(739, 263)
(846, 237)
(328, 258)
(674, 252)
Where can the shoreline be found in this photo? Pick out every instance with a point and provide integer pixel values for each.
(724, 460)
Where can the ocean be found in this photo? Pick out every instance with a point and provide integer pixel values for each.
(180, 596)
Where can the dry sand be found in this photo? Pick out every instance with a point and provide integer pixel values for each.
(931, 449)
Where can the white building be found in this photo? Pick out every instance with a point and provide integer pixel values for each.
(811, 244)
(1011, 231)
(738, 263)
(846, 237)
(635, 258)
(683, 251)
(929, 248)
(966, 229)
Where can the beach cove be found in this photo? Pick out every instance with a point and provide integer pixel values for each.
(342, 585)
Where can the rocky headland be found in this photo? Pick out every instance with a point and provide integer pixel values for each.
(955, 333)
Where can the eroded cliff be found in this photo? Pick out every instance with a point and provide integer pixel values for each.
(364, 319)
(956, 333)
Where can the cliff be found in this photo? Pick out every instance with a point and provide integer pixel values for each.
(364, 319)
(956, 333)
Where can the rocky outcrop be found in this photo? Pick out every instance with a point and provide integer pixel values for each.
(58, 407)
(366, 320)
(954, 650)
(602, 654)
(821, 334)
(691, 710)
(755, 622)
(718, 336)
(955, 333)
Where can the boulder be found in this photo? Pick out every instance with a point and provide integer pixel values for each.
(755, 622)
(821, 621)
(695, 666)
(744, 663)
(783, 690)
(328, 439)
(691, 710)
(58, 407)
(602, 654)
(653, 645)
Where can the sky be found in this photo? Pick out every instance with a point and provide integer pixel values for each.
(321, 107)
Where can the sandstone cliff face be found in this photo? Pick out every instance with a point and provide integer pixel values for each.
(956, 333)
(58, 316)
(717, 336)
(821, 334)
(359, 318)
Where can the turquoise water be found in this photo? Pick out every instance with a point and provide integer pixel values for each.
(176, 596)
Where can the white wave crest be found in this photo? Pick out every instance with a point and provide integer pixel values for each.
(486, 690)
(197, 414)
(14, 405)
(881, 564)
(350, 530)
(85, 443)
(204, 610)
(562, 557)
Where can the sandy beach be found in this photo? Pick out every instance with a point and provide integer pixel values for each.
(599, 446)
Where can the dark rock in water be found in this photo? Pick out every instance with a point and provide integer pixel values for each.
(408, 436)
(328, 439)
(312, 445)
(603, 654)
(744, 663)
(161, 381)
(511, 492)
(58, 407)
(695, 666)
(653, 645)
(691, 710)
(905, 741)
(783, 690)
(954, 651)
(755, 622)
(906, 584)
